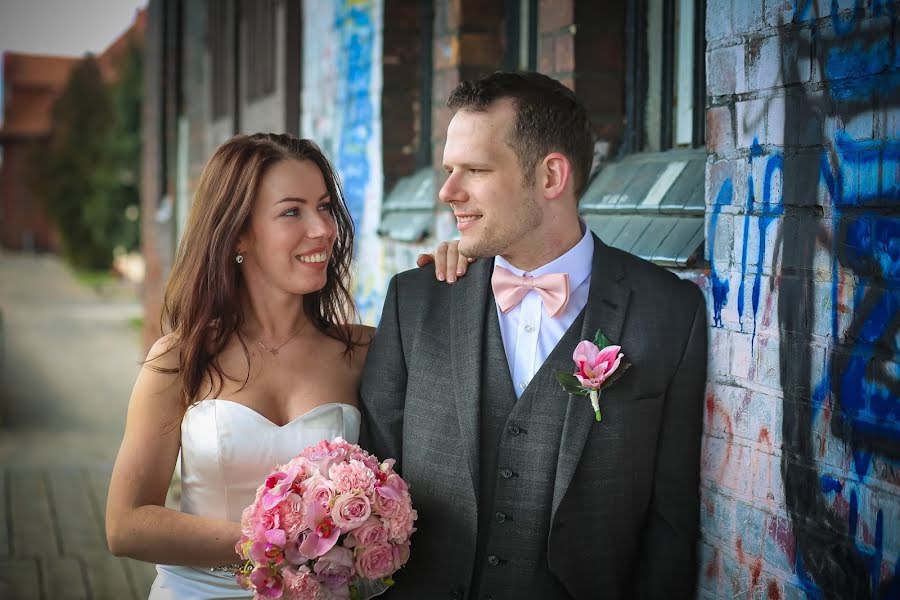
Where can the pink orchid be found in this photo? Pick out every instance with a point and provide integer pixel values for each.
(279, 485)
(595, 365)
(323, 533)
(267, 583)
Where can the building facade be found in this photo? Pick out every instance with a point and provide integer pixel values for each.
(750, 147)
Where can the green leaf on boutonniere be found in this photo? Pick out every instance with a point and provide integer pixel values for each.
(601, 341)
(570, 383)
(623, 366)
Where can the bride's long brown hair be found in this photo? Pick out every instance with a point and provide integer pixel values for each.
(202, 306)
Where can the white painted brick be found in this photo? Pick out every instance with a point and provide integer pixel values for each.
(742, 356)
(720, 350)
(779, 12)
(775, 125)
(751, 122)
(768, 362)
(718, 19)
(747, 17)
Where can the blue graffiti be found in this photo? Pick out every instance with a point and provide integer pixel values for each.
(354, 21)
(767, 213)
(830, 484)
(719, 285)
(860, 72)
(870, 248)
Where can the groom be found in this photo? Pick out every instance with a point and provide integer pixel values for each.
(521, 493)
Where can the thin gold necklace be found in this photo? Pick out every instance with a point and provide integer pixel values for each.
(274, 351)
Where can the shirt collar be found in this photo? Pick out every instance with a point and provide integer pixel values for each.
(577, 262)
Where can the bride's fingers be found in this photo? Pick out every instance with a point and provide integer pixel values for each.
(452, 261)
(424, 259)
(462, 263)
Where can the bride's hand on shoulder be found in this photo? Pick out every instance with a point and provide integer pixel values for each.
(449, 263)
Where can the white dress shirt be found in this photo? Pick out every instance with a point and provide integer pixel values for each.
(529, 335)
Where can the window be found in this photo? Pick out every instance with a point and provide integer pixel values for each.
(651, 201)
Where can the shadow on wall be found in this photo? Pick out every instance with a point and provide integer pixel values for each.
(859, 390)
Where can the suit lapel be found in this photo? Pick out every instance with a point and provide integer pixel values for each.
(605, 311)
(468, 298)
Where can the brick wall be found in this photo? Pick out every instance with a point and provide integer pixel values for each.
(801, 487)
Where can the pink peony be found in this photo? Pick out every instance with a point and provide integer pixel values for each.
(400, 526)
(350, 510)
(595, 365)
(375, 561)
(300, 584)
(324, 454)
(351, 476)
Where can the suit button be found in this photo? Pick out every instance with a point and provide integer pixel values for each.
(493, 560)
(514, 430)
(500, 516)
(506, 473)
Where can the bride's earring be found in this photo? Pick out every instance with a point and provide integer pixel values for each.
(239, 259)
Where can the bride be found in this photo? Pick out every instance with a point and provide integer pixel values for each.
(261, 361)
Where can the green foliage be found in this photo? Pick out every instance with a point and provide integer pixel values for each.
(86, 172)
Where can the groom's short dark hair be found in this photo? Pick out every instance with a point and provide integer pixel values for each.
(549, 118)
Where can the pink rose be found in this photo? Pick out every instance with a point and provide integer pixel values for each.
(386, 501)
(401, 554)
(350, 510)
(318, 489)
(335, 567)
(375, 561)
(370, 532)
(351, 476)
(300, 584)
(595, 365)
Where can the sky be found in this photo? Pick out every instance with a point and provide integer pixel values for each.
(62, 27)
(66, 27)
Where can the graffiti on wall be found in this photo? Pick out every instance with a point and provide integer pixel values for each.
(341, 111)
(833, 207)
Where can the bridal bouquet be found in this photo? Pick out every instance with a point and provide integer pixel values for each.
(331, 523)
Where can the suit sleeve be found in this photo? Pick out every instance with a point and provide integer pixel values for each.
(667, 563)
(383, 385)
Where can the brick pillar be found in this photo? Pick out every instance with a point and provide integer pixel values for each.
(468, 44)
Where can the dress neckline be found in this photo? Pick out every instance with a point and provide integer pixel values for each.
(266, 419)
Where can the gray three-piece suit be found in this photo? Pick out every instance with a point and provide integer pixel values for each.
(532, 498)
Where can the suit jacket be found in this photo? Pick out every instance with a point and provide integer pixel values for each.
(625, 508)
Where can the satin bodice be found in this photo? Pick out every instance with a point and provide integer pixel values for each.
(228, 449)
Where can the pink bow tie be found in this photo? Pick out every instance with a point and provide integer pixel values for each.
(509, 289)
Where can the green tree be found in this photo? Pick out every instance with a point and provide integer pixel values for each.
(86, 172)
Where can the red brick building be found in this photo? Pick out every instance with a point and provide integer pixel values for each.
(31, 84)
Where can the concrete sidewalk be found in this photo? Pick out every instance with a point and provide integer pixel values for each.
(69, 359)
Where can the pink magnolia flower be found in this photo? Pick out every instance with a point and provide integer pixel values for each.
(350, 510)
(375, 561)
(595, 365)
(323, 535)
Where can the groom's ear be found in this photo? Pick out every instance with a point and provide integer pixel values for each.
(555, 171)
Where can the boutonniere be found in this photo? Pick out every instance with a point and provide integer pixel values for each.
(597, 366)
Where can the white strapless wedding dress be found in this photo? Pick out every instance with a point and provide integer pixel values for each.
(227, 449)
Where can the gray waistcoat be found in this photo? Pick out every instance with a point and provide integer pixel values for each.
(519, 450)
